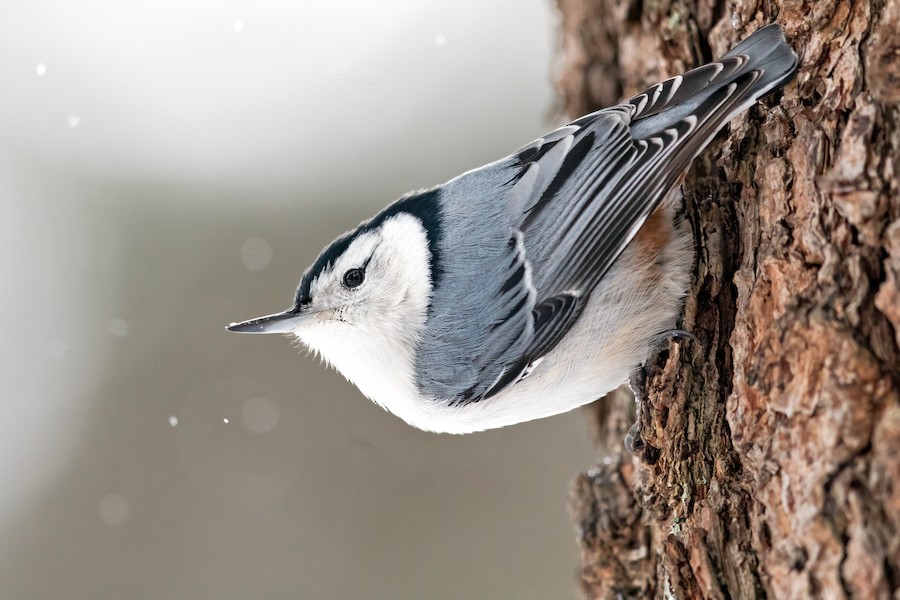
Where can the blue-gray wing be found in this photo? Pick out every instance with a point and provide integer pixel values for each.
(569, 204)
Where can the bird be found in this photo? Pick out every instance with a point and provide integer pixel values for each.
(539, 282)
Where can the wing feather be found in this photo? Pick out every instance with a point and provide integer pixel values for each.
(577, 197)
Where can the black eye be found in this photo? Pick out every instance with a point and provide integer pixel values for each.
(354, 278)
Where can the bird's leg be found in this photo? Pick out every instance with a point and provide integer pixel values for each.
(637, 382)
(633, 442)
(679, 333)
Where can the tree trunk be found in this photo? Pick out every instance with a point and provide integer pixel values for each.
(772, 461)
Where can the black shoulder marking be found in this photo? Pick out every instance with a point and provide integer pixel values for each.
(423, 205)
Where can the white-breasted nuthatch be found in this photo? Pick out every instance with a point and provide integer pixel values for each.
(537, 283)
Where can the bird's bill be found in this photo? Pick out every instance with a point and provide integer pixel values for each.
(283, 322)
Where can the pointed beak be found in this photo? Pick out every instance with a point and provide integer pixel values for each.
(283, 322)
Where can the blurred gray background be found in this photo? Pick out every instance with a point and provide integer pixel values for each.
(170, 166)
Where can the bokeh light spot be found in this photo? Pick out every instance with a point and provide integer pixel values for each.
(256, 253)
(118, 327)
(260, 415)
(114, 509)
(59, 348)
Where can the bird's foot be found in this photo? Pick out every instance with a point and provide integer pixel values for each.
(679, 333)
(633, 441)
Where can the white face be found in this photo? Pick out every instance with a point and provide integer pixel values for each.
(369, 332)
(335, 298)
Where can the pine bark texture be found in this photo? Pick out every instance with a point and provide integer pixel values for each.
(772, 467)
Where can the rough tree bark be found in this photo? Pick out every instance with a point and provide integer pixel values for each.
(772, 466)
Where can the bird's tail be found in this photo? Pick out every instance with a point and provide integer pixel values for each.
(715, 93)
